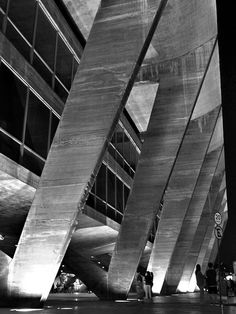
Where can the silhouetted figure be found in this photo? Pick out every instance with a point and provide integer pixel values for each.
(211, 282)
(148, 284)
(200, 279)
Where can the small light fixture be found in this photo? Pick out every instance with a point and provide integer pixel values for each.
(2, 237)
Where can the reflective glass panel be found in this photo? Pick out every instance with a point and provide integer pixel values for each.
(64, 63)
(12, 102)
(9, 147)
(45, 45)
(22, 14)
(37, 126)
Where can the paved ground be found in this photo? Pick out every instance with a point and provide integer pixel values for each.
(89, 304)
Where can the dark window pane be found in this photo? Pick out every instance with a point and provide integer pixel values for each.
(91, 201)
(126, 148)
(9, 147)
(45, 39)
(3, 4)
(37, 126)
(22, 14)
(60, 90)
(18, 41)
(111, 213)
(93, 188)
(12, 102)
(119, 195)
(64, 63)
(101, 206)
(111, 181)
(54, 125)
(32, 162)
(101, 183)
(119, 139)
(42, 69)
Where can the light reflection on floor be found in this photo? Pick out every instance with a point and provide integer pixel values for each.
(183, 304)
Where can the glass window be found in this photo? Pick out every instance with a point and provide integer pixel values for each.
(42, 69)
(101, 206)
(22, 14)
(126, 148)
(64, 63)
(101, 183)
(32, 162)
(18, 41)
(111, 183)
(111, 213)
(119, 139)
(45, 45)
(91, 201)
(12, 102)
(119, 195)
(9, 147)
(60, 90)
(37, 126)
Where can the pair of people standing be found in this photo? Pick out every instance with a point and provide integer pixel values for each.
(208, 281)
(144, 286)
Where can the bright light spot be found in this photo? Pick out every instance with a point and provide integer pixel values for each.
(183, 286)
(192, 283)
(25, 310)
(187, 286)
(33, 282)
(66, 308)
(122, 301)
(229, 277)
(159, 277)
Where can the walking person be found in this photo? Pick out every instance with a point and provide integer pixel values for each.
(200, 279)
(211, 283)
(148, 278)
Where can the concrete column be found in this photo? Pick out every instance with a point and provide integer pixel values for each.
(180, 82)
(113, 54)
(194, 211)
(199, 242)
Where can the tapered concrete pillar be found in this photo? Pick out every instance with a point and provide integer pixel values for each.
(194, 211)
(114, 51)
(181, 78)
(199, 243)
(182, 182)
(4, 270)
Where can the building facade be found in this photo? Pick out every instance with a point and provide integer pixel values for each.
(111, 144)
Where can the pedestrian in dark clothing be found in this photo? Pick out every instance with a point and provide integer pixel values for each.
(211, 282)
(148, 278)
(200, 279)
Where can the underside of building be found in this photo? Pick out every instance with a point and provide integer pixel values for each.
(112, 148)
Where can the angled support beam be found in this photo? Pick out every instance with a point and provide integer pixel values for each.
(182, 182)
(193, 214)
(180, 82)
(194, 254)
(113, 54)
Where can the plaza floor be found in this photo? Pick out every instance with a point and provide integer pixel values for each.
(89, 304)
